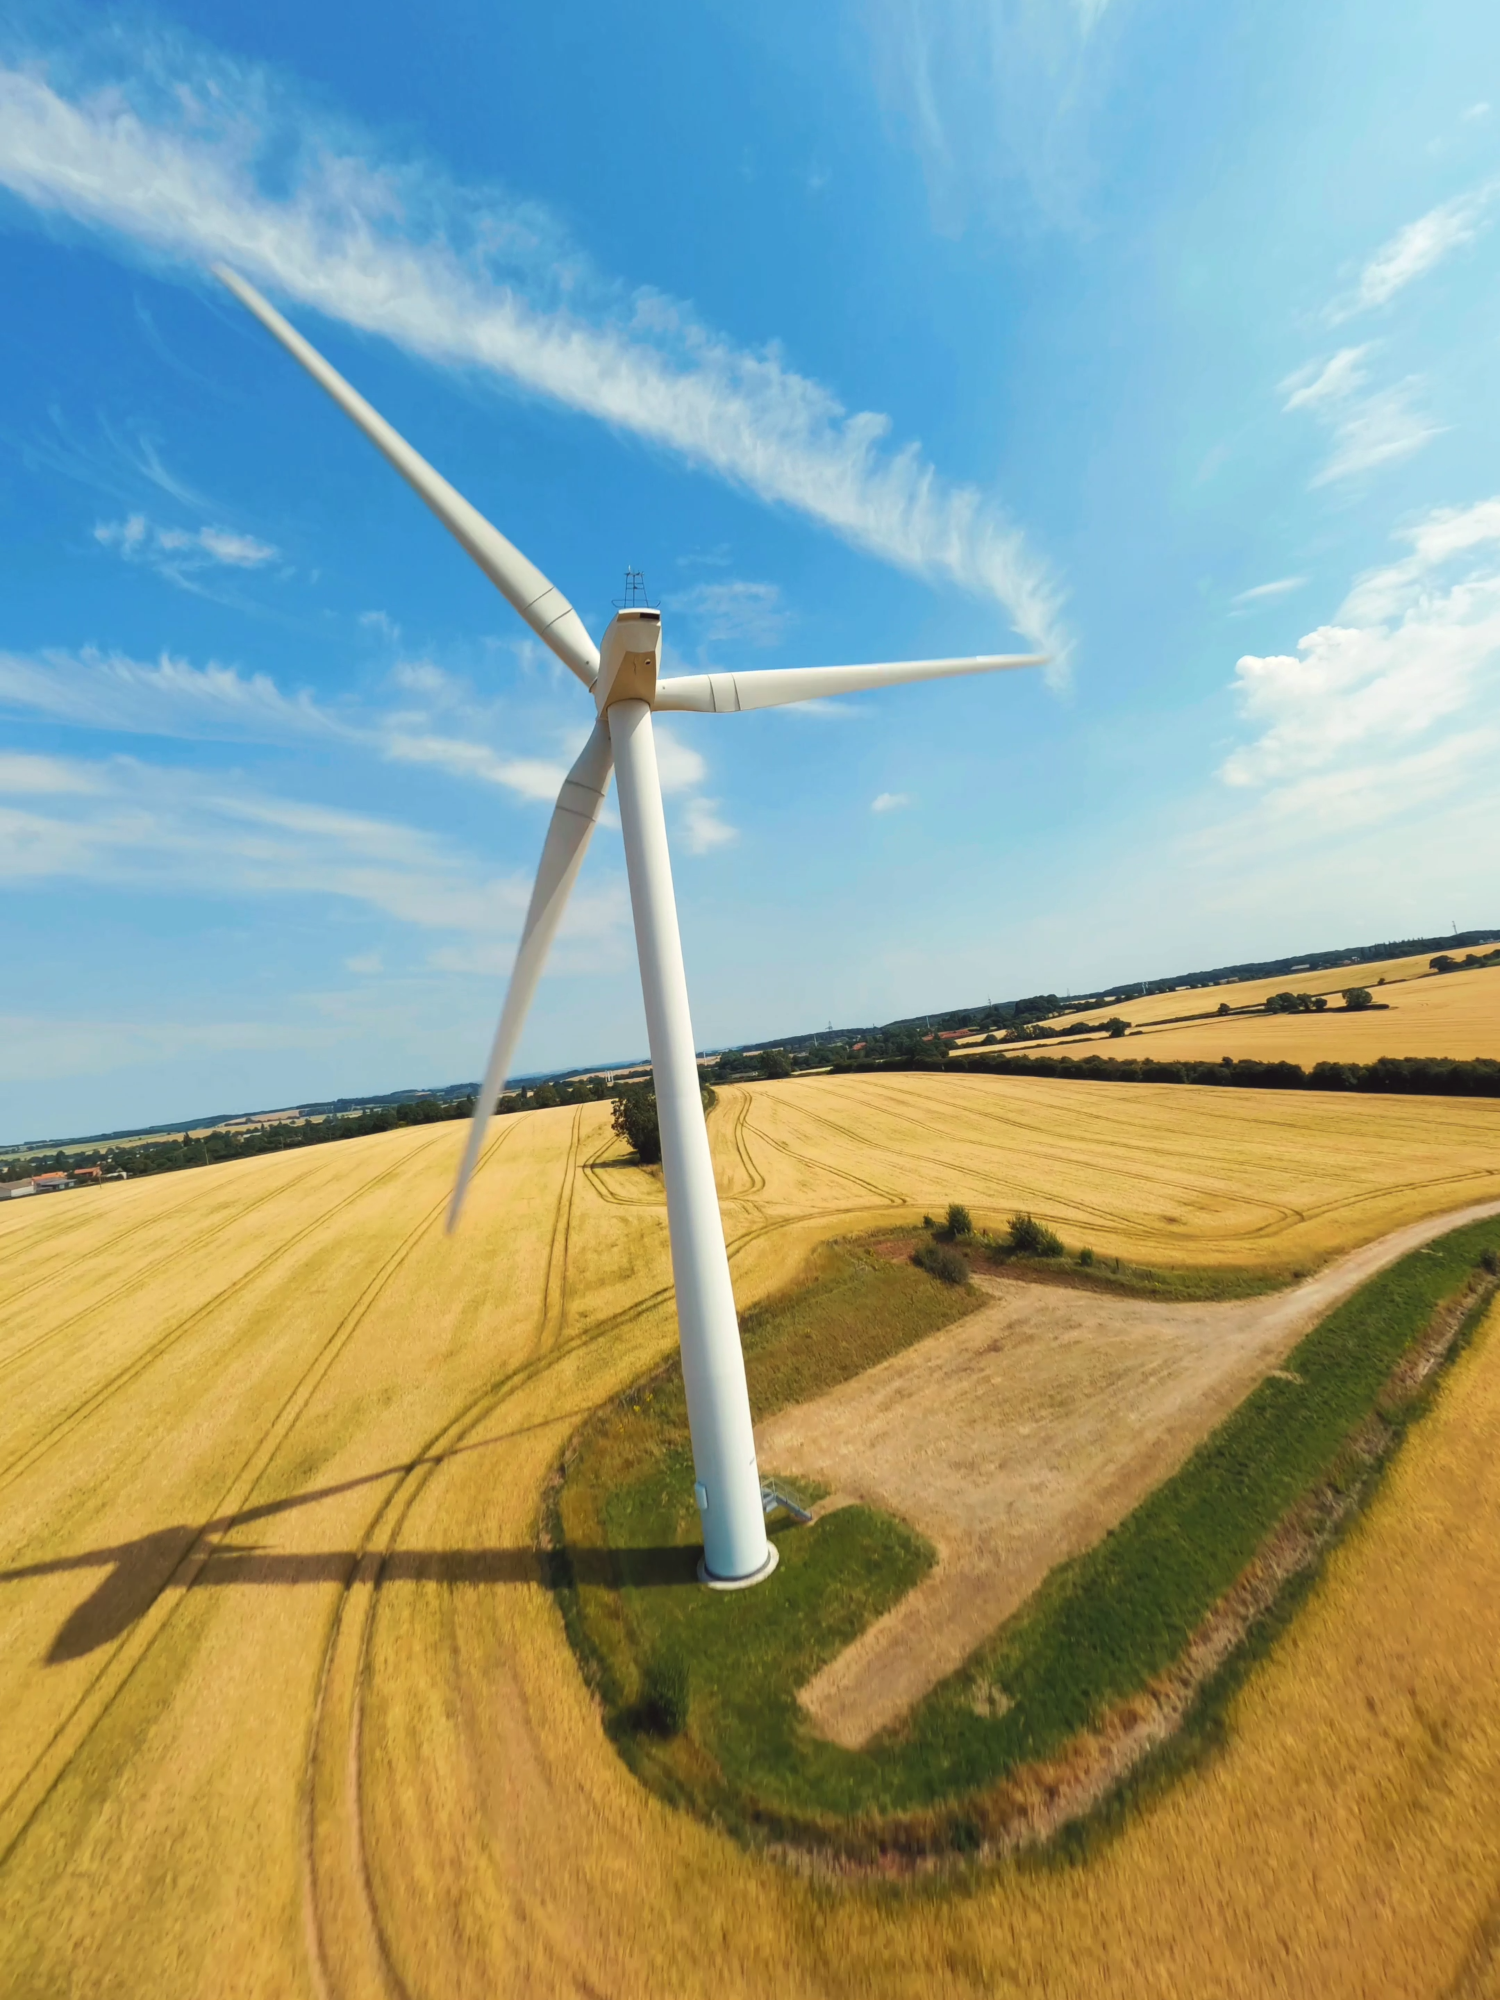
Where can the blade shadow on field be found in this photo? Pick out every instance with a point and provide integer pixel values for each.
(185, 1556)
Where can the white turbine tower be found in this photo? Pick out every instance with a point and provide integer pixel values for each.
(624, 678)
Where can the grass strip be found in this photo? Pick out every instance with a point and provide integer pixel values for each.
(1101, 1629)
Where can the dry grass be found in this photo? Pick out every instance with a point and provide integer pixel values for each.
(254, 1378)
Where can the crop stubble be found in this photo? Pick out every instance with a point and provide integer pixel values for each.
(286, 1778)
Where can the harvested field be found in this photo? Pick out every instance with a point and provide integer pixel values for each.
(289, 1709)
(1421, 1013)
(1019, 1437)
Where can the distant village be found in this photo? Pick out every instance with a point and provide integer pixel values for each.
(56, 1183)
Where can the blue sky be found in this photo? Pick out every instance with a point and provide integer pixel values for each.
(1163, 337)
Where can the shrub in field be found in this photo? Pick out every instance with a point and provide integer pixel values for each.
(960, 1222)
(665, 1692)
(1357, 998)
(635, 1120)
(940, 1260)
(1032, 1238)
(775, 1063)
(1085, 1256)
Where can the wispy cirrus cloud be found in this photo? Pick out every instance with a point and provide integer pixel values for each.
(1328, 381)
(1266, 593)
(1366, 430)
(190, 158)
(734, 611)
(177, 552)
(125, 822)
(169, 697)
(1418, 248)
(996, 99)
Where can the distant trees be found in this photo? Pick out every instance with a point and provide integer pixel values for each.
(1445, 962)
(1357, 998)
(775, 1063)
(1296, 1003)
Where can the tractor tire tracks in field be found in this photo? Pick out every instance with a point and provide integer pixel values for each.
(105, 1391)
(26, 1798)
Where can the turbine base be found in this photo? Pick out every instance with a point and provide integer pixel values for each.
(706, 1575)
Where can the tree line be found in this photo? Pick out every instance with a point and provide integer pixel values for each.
(1424, 1076)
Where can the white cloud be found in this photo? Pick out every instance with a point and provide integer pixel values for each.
(996, 98)
(166, 830)
(366, 963)
(1336, 379)
(192, 161)
(528, 777)
(734, 612)
(682, 768)
(1419, 247)
(43, 777)
(885, 802)
(1393, 701)
(1267, 593)
(172, 698)
(1480, 110)
(1379, 431)
(705, 829)
(177, 552)
(1367, 430)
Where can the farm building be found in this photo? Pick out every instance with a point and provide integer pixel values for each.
(13, 1190)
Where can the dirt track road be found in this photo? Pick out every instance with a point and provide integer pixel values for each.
(1019, 1436)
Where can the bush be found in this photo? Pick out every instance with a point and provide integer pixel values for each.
(665, 1691)
(775, 1063)
(1358, 998)
(959, 1223)
(1117, 1027)
(1085, 1257)
(940, 1260)
(1031, 1238)
(635, 1118)
(1490, 1262)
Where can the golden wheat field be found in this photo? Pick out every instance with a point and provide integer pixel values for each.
(1421, 1014)
(287, 1710)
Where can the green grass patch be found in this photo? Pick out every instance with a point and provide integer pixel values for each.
(626, 1540)
(1100, 1629)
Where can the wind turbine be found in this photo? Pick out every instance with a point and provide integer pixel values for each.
(623, 675)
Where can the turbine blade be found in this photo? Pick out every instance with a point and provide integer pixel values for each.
(539, 602)
(573, 819)
(775, 687)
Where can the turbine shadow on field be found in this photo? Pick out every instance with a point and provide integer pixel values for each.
(186, 1557)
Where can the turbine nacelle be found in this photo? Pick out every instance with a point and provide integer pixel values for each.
(629, 658)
